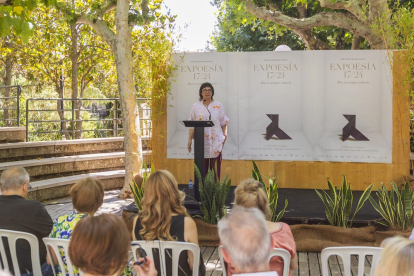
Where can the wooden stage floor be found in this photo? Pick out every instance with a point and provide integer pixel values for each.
(309, 264)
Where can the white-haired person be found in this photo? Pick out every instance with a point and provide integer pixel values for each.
(397, 258)
(251, 193)
(17, 213)
(246, 241)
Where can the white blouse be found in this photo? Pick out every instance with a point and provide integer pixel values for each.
(213, 136)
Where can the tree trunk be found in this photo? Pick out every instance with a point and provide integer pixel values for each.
(130, 115)
(59, 105)
(311, 42)
(356, 41)
(7, 82)
(339, 19)
(75, 68)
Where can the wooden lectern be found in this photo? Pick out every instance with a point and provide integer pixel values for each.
(198, 150)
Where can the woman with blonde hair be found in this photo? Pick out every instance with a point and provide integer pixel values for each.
(397, 257)
(164, 218)
(250, 193)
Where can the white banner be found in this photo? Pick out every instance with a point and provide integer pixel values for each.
(295, 106)
(193, 69)
(358, 84)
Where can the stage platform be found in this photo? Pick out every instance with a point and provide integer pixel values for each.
(304, 206)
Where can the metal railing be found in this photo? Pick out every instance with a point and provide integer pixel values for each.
(108, 114)
(5, 100)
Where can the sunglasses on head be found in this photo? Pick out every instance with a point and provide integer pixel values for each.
(143, 255)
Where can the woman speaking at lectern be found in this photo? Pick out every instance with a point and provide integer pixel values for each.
(207, 109)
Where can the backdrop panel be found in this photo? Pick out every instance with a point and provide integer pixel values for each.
(272, 105)
(193, 69)
(353, 94)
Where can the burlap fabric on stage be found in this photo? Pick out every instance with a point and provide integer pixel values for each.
(314, 238)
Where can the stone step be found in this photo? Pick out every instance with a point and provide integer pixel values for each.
(59, 187)
(12, 134)
(45, 149)
(68, 165)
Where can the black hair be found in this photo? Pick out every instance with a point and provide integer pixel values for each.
(206, 84)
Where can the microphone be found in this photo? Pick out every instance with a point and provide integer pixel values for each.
(209, 117)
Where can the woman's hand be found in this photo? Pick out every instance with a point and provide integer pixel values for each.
(189, 145)
(148, 269)
(225, 138)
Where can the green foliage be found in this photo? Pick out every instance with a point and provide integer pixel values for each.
(338, 204)
(396, 207)
(411, 130)
(137, 191)
(239, 30)
(213, 195)
(152, 58)
(15, 17)
(396, 29)
(47, 56)
(271, 192)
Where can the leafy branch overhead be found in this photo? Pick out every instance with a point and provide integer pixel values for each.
(351, 15)
(15, 17)
(313, 20)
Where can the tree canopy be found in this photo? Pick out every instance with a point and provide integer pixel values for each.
(320, 24)
(16, 16)
(97, 41)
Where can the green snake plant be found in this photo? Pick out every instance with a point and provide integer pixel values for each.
(213, 194)
(338, 204)
(271, 192)
(395, 206)
(137, 191)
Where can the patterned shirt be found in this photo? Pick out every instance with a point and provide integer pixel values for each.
(62, 229)
(213, 136)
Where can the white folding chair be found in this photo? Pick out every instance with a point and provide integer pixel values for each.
(276, 252)
(345, 252)
(63, 244)
(176, 248)
(12, 237)
(285, 255)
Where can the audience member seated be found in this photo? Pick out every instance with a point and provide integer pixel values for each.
(4, 273)
(246, 242)
(19, 214)
(99, 245)
(164, 218)
(87, 196)
(396, 258)
(250, 193)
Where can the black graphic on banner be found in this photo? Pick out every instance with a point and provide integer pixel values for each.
(274, 129)
(350, 130)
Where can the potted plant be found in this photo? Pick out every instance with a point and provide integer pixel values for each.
(137, 188)
(338, 204)
(271, 192)
(213, 194)
(397, 210)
